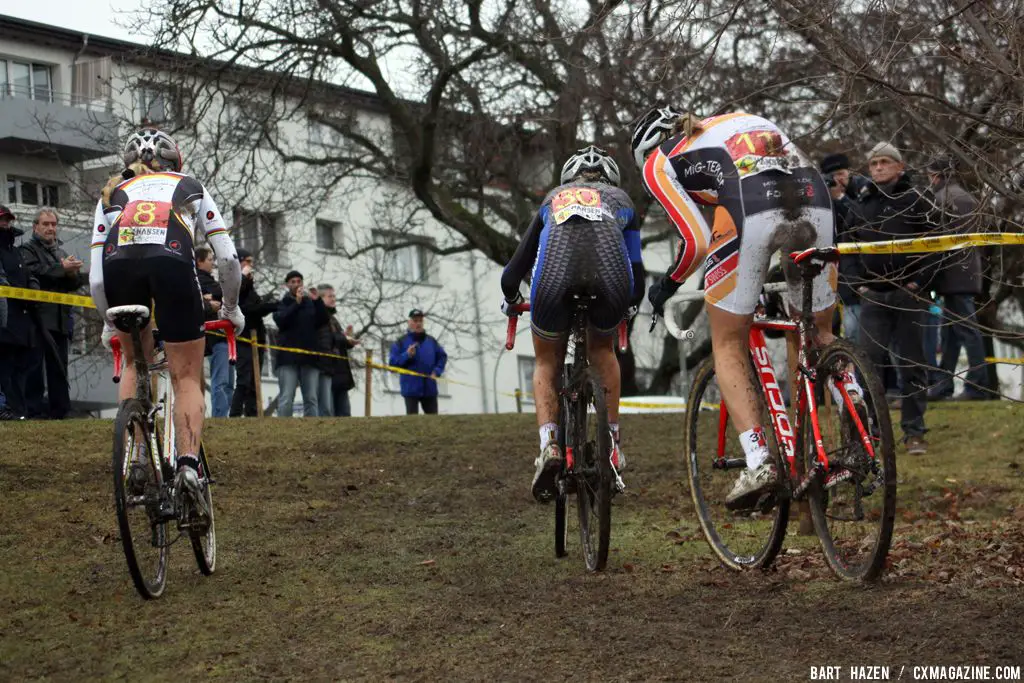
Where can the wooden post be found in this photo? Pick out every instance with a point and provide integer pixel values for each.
(367, 410)
(519, 400)
(257, 378)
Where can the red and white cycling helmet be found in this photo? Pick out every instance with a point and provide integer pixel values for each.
(591, 159)
(150, 145)
(653, 128)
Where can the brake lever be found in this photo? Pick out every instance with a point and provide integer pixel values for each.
(654, 323)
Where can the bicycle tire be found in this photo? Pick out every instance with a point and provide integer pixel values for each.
(131, 418)
(826, 505)
(593, 472)
(204, 545)
(724, 530)
(561, 498)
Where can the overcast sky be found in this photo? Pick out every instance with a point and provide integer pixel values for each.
(89, 16)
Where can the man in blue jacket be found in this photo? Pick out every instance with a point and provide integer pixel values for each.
(421, 353)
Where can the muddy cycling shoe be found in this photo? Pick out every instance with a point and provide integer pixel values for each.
(750, 485)
(191, 487)
(549, 464)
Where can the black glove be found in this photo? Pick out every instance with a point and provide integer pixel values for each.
(507, 304)
(660, 292)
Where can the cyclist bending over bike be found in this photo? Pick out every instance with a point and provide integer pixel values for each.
(142, 254)
(585, 239)
(766, 195)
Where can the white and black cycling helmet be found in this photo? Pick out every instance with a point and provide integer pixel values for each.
(591, 159)
(150, 145)
(652, 129)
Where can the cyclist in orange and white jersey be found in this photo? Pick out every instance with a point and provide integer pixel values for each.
(766, 195)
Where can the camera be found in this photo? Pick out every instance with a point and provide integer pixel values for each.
(830, 180)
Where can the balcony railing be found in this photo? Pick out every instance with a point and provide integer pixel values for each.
(38, 93)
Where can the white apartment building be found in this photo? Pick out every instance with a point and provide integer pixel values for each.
(67, 99)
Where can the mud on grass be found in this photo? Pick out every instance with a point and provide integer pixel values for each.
(409, 548)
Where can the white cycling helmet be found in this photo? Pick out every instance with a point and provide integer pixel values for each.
(149, 145)
(591, 159)
(651, 130)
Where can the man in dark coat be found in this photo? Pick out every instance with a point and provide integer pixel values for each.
(844, 186)
(55, 271)
(299, 314)
(421, 353)
(335, 373)
(254, 308)
(957, 282)
(18, 336)
(895, 286)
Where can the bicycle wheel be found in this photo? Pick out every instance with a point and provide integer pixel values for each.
(204, 542)
(138, 488)
(561, 498)
(592, 471)
(714, 459)
(854, 507)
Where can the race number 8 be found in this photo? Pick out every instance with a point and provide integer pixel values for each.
(147, 214)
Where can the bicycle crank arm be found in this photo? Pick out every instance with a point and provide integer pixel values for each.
(812, 477)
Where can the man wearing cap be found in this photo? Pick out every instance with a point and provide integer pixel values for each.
(18, 336)
(254, 307)
(843, 186)
(958, 281)
(298, 316)
(421, 353)
(894, 287)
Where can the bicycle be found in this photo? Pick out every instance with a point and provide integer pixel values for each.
(144, 460)
(845, 464)
(585, 439)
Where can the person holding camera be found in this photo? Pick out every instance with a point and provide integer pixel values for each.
(254, 307)
(424, 355)
(844, 187)
(298, 316)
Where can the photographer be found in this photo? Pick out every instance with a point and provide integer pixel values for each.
(298, 316)
(844, 188)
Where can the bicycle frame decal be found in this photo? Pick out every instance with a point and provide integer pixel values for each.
(772, 393)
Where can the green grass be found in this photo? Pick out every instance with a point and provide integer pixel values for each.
(409, 548)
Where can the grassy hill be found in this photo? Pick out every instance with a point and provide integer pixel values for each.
(409, 548)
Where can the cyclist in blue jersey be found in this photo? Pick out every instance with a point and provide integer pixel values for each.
(585, 239)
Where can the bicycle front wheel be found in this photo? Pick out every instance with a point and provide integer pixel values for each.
(741, 539)
(854, 506)
(138, 490)
(592, 472)
(204, 543)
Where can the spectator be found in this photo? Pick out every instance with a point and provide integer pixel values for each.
(421, 353)
(18, 335)
(243, 401)
(958, 281)
(335, 373)
(5, 412)
(893, 303)
(221, 372)
(55, 271)
(299, 314)
(844, 187)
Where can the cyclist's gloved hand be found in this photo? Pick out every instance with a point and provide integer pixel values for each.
(660, 292)
(109, 332)
(507, 306)
(235, 316)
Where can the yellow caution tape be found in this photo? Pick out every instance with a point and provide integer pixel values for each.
(1007, 361)
(46, 297)
(932, 244)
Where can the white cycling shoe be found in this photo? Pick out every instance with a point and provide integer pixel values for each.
(749, 486)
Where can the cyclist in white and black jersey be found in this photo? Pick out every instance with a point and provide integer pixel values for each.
(142, 254)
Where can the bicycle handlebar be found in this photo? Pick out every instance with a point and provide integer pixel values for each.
(209, 326)
(513, 324)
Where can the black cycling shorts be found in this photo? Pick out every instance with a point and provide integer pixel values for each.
(168, 283)
(580, 257)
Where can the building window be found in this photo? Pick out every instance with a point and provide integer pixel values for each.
(323, 135)
(526, 365)
(413, 262)
(26, 80)
(33, 192)
(250, 123)
(257, 232)
(328, 234)
(157, 104)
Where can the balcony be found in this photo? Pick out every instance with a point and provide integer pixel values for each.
(38, 121)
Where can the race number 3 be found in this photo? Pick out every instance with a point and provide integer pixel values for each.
(145, 214)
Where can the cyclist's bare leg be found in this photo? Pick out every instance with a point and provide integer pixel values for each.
(548, 364)
(126, 389)
(604, 360)
(730, 333)
(185, 361)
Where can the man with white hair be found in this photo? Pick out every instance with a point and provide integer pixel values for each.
(895, 287)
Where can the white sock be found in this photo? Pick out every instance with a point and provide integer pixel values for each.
(548, 433)
(614, 426)
(755, 447)
(852, 387)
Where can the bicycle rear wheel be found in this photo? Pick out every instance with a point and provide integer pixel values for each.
(561, 498)
(854, 507)
(741, 539)
(204, 543)
(592, 471)
(138, 489)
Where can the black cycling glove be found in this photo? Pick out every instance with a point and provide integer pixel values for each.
(660, 292)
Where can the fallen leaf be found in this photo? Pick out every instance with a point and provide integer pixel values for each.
(427, 563)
